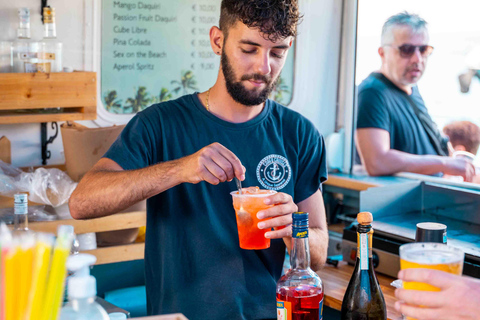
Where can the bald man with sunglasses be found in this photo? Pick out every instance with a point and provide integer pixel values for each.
(394, 131)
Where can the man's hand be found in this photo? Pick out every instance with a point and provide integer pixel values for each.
(280, 214)
(213, 164)
(459, 167)
(458, 299)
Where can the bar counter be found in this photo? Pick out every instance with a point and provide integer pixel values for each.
(335, 281)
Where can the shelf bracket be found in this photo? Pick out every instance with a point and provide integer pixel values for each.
(43, 134)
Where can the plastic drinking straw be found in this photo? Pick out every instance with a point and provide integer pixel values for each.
(24, 271)
(11, 284)
(5, 243)
(57, 275)
(41, 265)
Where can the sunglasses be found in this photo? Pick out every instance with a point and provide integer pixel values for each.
(407, 50)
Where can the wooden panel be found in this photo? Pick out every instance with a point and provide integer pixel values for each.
(9, 118)
(5, 150)
(335, 281)
(128, 252)
(350, 184)
(47, 90)
(25, 91)
(118, 221)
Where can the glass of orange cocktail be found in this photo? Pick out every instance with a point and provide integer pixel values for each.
(246, 206)
(437, 256)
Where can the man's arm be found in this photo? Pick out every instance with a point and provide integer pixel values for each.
(107, 188)
(281, 215)
(373, 145)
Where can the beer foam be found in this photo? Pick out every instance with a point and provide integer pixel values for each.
(432, 256)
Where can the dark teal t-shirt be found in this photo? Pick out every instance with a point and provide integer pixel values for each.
(384, 107)
(193, 261)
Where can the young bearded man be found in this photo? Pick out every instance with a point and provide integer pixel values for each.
(182, 155)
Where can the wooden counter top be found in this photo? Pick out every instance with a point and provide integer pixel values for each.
(358, 182)
(335, 281)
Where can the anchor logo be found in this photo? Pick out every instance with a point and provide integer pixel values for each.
(274, 172)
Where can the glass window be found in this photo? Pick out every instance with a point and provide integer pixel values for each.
(454, 33)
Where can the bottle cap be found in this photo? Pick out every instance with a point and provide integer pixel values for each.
(82, 287)
(300, 219)
(365, 218)
(300, 225)
(81, 284)
(431, 232)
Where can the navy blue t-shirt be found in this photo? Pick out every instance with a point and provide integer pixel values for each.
(385, 107)
(193, 261)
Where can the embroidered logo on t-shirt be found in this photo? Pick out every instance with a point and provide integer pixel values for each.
(274, 172)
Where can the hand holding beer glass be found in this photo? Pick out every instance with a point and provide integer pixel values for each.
(436, 256)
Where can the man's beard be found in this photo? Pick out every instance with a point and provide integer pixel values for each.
(238, 91)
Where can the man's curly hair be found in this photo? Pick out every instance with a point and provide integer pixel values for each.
(276, 19)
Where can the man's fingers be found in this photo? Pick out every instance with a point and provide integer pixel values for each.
(418, 312)
(423, 298)
(225, 165)
(278, 198)
(280, 233)
(439, 279)
(239, 169)
(207, 176)
(279, 221)
(216, 170)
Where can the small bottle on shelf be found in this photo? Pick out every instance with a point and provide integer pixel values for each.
(24, 50)
(364, 298)
(300, 289)
(20, 218)
(50, 49)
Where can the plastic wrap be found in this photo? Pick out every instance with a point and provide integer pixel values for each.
(47, 186)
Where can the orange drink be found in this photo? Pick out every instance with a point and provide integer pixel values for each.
(437, 256)
(246, 206)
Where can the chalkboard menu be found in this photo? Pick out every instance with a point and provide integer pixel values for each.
(157, 50)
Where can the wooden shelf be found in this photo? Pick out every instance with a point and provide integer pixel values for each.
(127, 252)
(119, 221)
(21, 93)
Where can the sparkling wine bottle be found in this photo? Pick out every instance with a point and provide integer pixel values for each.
(300, 289)
(363, 299)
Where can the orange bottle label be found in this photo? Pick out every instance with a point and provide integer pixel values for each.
(284, 310)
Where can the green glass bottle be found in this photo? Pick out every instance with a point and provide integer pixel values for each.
(364, 299)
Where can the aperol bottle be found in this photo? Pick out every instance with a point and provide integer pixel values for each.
(300, 289)
(363, 299)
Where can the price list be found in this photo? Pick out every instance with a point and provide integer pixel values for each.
(157, 50)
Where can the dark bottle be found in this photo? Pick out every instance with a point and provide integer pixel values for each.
(300, 289)
(431, 232)
(363, 299)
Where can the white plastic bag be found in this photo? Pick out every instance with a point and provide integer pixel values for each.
(47, 186)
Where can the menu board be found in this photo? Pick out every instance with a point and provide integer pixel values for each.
(157, 50)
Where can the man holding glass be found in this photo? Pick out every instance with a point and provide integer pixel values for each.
(182, 156)
(458, 298)
(394, 130)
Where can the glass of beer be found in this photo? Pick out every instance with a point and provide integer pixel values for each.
(437, 256)
(246, 207)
